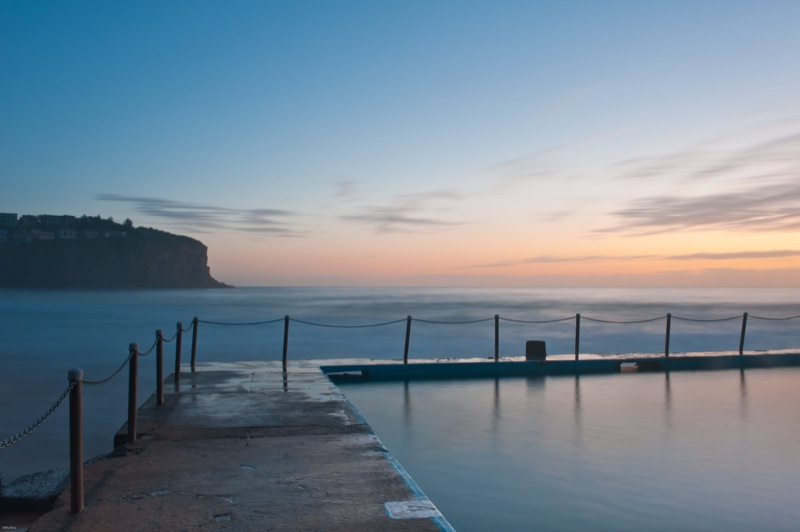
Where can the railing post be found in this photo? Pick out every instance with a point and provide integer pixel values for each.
(159, 367)
(408, 337)
(577, 334)
(496, 337)
(285, 340)
(133, 382)
(666, 341)
(741, 337)
(76, 441)
(194, 341)
(178, 347)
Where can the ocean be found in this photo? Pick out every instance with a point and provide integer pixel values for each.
(44, 334)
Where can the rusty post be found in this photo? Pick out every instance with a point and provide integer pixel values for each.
(159, 367)
(741, 337)
(496, 337)
(194, 341)
(76, 441)
(178, 347)
(285, 340)
(577, 334)
(408, 337)
(133, 383)
(666, 341)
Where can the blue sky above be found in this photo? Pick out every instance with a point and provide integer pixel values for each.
(417, 142)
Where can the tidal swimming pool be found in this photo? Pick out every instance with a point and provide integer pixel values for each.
(705, 450)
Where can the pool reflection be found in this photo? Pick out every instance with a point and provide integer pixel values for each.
(654, 451)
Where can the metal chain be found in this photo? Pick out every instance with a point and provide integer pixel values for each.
(538, 321)
(103, 381)
(773, 319)
(237, 324)
(149, 350)
(441, 322)
(453, 322)
(18, 436)
(587, 318)
(347, 326)
(707, 320)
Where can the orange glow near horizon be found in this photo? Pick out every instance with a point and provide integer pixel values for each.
(298, 263)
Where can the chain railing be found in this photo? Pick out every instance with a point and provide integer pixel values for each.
(497, 319)
(33, 426)
(76, 379)
(74, 391)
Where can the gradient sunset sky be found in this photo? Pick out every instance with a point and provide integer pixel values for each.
(427, 143)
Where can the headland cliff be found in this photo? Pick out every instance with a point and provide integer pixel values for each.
(68, 252)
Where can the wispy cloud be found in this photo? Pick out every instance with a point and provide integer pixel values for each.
(712, 160)
(408, 213)
(772, 207)
(772, 254)
(346, 190)
(205, 218)
(754, 170)
(734, 255)
(550, 259)
(758, 142)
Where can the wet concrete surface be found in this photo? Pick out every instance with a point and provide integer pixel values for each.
(245, 446)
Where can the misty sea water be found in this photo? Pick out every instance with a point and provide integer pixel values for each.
(43, 334)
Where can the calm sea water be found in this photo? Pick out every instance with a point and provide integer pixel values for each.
(694, 451)
(43, 334)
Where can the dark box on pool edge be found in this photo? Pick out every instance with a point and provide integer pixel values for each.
(535, 350)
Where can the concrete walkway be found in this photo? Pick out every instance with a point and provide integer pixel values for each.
(245, 446)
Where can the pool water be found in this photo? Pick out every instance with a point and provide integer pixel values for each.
(712, 450)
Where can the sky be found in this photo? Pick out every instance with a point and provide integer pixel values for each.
(420, 143)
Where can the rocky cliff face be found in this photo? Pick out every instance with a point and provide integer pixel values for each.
(125, 259)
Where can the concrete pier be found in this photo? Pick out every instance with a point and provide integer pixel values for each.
(245, 446)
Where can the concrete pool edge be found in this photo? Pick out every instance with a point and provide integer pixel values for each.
(251, 445)
(428, 507)
(375, 371)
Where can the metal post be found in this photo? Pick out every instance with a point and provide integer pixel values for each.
(408, 337)
(178, 347)
(76, 441)
(666, 341)
(194, 341)
(577, 334)
(133, 382)
(496, 337)
(741, 338)
(285, 340)
(159, 367)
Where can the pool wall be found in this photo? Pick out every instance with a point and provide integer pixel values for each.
(462, 370)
